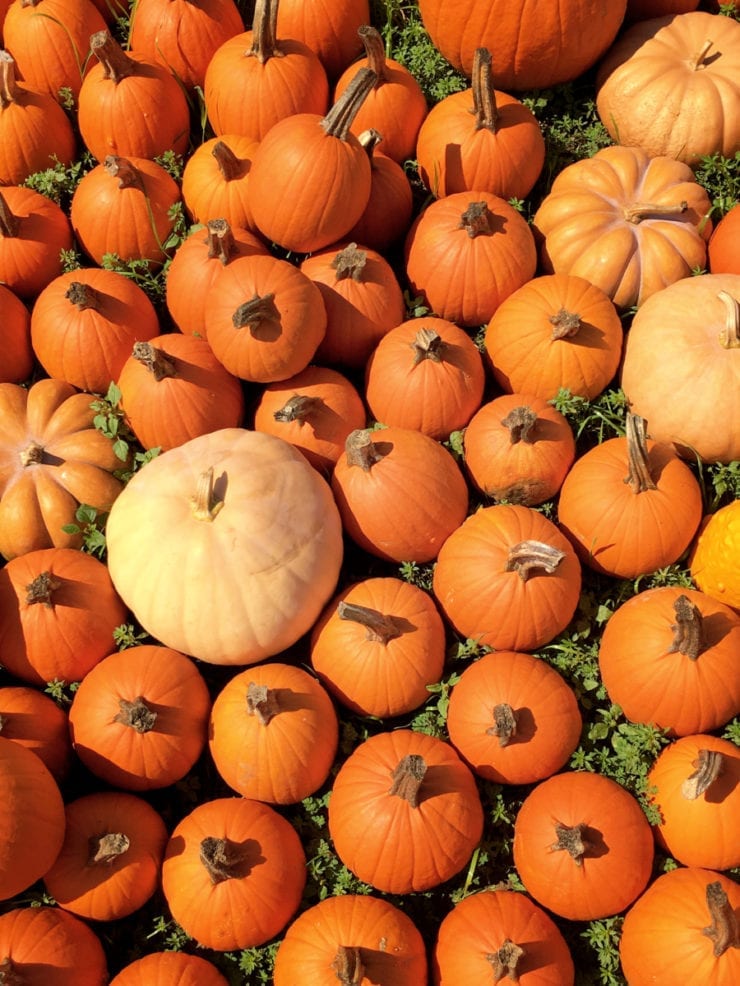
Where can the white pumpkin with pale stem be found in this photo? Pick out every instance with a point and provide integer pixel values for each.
(227, 547)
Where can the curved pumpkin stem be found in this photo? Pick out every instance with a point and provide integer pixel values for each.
(723, 930)
(370, 139)
(347, 966)
(730, 336)
(9, 88)
(121, 168)
(521, 422)
(708, 766)
(529, 557)
(428, 344)
(82, 296)
(380, 627)
(484, 95)
(137, 715)
(565, 324)
(504, 724)
(350, 262)
(375, 52)
(42, 589)
(117, 65)
(230, 166)
(699, 58)
(159, 364)
(408, 777)
(224, 859)
(688, 629)
(638, 477)
(253, 313)
(505, 961)
(204, 503)
(10, 224)
(264, 32)
(220, 240)
(639, 211)
(339, 119)
(573, 840)
(299, 408)
(262, 702)
(105, 849)
(361, 450)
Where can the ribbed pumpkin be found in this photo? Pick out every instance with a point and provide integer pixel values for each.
(65, 949)
(714, 555)
(329, 28)
(388, 212)
(200, 550)
(169, 969)
(722, 248)
(378, 646)
(34, 720)
(33, 233)
(15, 338)
(273, 733)
(507, 578)
(405, 814)
(215, 180)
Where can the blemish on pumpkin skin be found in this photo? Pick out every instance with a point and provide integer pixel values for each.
(383, 944)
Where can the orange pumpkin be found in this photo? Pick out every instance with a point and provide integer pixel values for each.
(330, 29)
(15, 338)
(33, 233)
(169, 969)
(388, 212)
(713, 559)
(722, 248)
(215, 180)
(67, 950)
(34, 720)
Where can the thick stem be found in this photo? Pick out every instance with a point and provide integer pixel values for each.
(159, 364)
(9, 975)
(484, 95)
(299, 408)
(375, 52)
(41, 590)
(638, 478)
(9, 89)
(264, 32)
(477, 220)
(105, 849)
(573, 840)
(10, 224)
(230, 166)
(224, 859)
(708, 766)
(638, 211)
(83, 296)
(428, 344)
(729, 337)
(204, 504)
(262, 702)
(504, 724)
(31, 455)
(688, 629)
(220, 240)
(350, 262)
(505, 960)
(251, 314)
(117, 65)
(347, 966)
(361, 450)
(529, 557)
(339, 119)
(137, 715)
(380, 627)
(407, 778)
(122, 169)
(697, 60)
(565, 324)
(723, 930)
(520, 421)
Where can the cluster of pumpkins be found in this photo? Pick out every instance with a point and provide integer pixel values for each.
(290, 408)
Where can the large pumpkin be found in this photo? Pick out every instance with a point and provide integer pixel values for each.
(169, 969)
(46, 946)
(226, 547)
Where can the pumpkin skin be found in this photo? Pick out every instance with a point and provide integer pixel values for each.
(533, 47)
(668, 86)
(33, 232)
(513, 719)
(492, 603)
(558, 331)
(722, 248)
(15, 338)
(34, 720)
(31, 819)
(673, 666)
(58, 611)
(46, 946)
(270, 582)
(664, 939)
(378, 645)
(475, 937)
(108, 866)
(694, 786)
(273, 733)
(259, 867)
(603, 875)
(618, 220)
(388, 212)
(693, 325)
(400, 493)
(330, 29)
(713, 557)
(368, 935)
(51, 460)
(630, 505)
(215, 180)
(405, 814)
(138, 720)
(169, 969)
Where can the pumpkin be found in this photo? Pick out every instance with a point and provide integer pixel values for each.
(363, 300)
(513, 719)
(713, 559)
(396, 106)
(34, 129)
(533, 47)
(85, 322)
(255, 78)
(630, 505)
(351, 938)
(58, 613)
(504, 935)
(169, 969)
(378, 647)
(34, 720)
(667, 656)
(15, 338)
(627, 222)
(684, 925)
(138, 720)
(200, 550)
(518, 448)
(52, 459)
(722, 247)
(667, 85)
(693, 328)
(642, 10)
(46, 946)
(556, 332)
(109, 863)
(400, 493)
(480, 139)
(694, 788)
(329, 28)
(215, 180)
(583, 847)
(405, 814)
(233, 873)
(507, 578)
(33, 233)
(173, 389)
(273, 733)
(388, 212)
(466, 253)
(31, 819)
(425, 374)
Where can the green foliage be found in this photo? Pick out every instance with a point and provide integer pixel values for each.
(61, 691)
(171, 935)
(602, 937)
(595, 421)
(109, 421)
(720, 176)
(59, 182)
(90, 524)
(128, 635)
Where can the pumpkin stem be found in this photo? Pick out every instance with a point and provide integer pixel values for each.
(505, 961)
(348, 967)
(264, 32)
(520, 421)
(477, 220)
(350, 262)
(159, 364)
(407, 778)
(380, 627)
(697, 61)
(504, 724)
(729, 337)
(299, 408)
(9, 88)
(204, 503)
(9, 224)
(107, 848)
(528, 557)
(220, 240)
(484, 95)
(122, 169)
(370, 139)
(638, 478)
(224, 859)
(117, 65)
(565, 324)
(647, 210)
(428, 344)
(375, 52)
(41, 590)
(339, 119)
(9, 975)
(83, 296)
(361, 449)
(572, 839)
(136, 714)
(723, 930)
(230, 166)
(254, 312)
(32, 454)
(688, 629)
(708, 766)
(262, 702)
